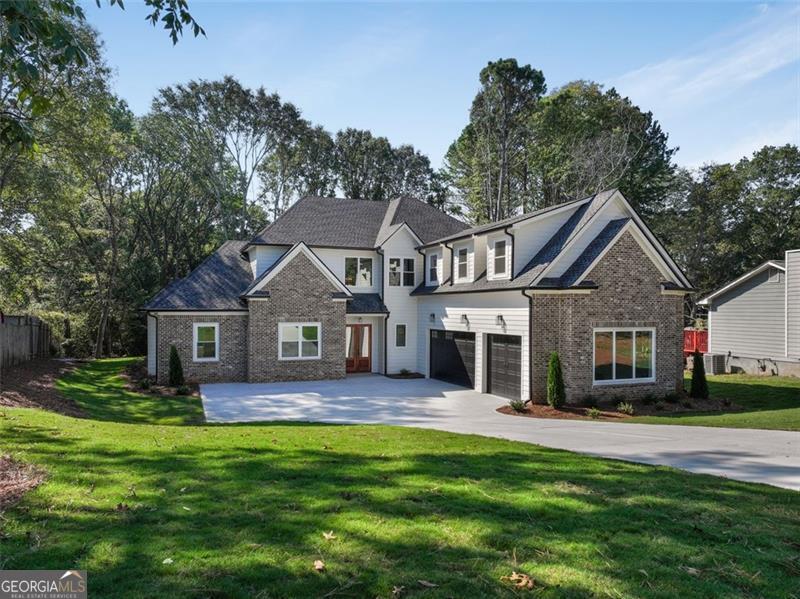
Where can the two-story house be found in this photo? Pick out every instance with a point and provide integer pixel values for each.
(339, 286)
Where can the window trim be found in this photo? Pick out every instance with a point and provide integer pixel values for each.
(300, 355)
(402, 272)
(505, 273)
(413, 272)
(405, 334)
(433, 268)
(633, 380)
(458, 277)
(197, 325)
(358, 260)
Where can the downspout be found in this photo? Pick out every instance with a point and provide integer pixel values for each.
(386, 319)
(530, 346)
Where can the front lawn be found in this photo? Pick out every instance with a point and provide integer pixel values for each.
(768, 402)
(240, 511)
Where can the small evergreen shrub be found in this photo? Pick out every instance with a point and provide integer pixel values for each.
(686, 404)
(182, 390)
(556, 396)
(405, 371)
(726, 402)
(699, 388)
(593, 413)
(625, 407)
(175, 368)
(144, 384)
(660, 405)
(517, 405)
(672, 397)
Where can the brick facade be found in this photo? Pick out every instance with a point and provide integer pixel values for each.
(177, 330)
(629, 294)
(299, 293)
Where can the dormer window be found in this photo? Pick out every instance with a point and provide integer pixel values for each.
(433, 268)
(462, 257)
(500, 258)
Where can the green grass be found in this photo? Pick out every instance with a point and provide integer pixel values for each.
(99, 390)
(768, 402)
(241, 509)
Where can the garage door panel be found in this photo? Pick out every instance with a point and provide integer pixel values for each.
(452, 357)
(504, 366)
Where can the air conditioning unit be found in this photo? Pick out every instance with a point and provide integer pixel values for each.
(714, 363)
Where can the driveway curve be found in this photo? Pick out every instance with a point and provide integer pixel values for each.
(769, 457)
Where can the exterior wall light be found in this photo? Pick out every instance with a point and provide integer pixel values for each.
(500, 321)
(432, 317)
(464, 319)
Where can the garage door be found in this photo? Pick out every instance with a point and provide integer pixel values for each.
(504, 365)
(453, 357)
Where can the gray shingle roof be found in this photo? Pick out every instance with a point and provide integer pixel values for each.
(215, 284)
(366, 303)
(339, 222)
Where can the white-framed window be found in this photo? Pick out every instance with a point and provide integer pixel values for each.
(433, 268)
(624, 355)
(401, 272)
(774, 275)
(205, 341)
(462, 266)
(299, 341)
(500, 258)
(358, 272)
(400, 335)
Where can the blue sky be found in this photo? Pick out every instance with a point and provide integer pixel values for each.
(722, 78)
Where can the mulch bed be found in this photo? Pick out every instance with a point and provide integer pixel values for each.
(16, 478)
(609, 412)
(407, 375)
(137, 372)
(32, 385)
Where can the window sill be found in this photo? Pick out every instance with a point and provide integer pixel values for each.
(205, 360)
(299, 359)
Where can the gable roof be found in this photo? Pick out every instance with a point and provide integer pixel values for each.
(779, 264)
(215, 284)
(347, 223)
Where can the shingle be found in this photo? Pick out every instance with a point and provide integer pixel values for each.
(426, 221)
(366, 303)
(592, 251)
(214, 285)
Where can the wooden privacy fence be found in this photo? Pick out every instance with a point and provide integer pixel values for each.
(22, 338)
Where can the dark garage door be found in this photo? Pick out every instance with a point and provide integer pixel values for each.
(505, 366)
(453, 357)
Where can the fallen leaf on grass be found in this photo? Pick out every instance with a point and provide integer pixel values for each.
(397, 591)
(319, 565)
(427, 585)
(519, 580)
(167, 561)
(329, 536)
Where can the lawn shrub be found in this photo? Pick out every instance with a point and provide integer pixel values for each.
(625, 407)
(593, 413)
(556, 396)
(699, 388)
(672, 397)
(175, 368)
(660, 405)
(517, 404)
(144, 384)
(182, 390)
(686, 404)
(649, 399)
(589, 401)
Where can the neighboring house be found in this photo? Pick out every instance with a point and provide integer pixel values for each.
(754, 321)
(340, 286)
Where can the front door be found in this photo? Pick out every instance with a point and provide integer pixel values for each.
(359, 344)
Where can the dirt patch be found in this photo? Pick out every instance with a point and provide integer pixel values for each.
(16, 478)
(138, 381)
(609, 412)
(32, 385)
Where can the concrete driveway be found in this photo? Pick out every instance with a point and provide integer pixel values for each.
(770, 457)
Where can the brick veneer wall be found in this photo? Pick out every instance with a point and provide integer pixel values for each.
(298, 293)
(177, 330)
(629, 295)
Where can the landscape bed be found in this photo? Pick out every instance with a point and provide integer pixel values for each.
(243, 510)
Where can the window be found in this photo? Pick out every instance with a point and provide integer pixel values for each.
(206, 342)
(404, 276)
(624, 355)
(358, 272)
(433, 268)
(461, 258)
(400, 335)
(500, 257)
(299, 341)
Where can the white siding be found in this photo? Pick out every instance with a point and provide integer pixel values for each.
(792, 303)
(530, 237)
(151, 345)
(481, 310)
(748, 320)
(402, 307)
(377, 337)
(266, 256)
(334, 259)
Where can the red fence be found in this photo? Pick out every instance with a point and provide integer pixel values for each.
(694, 339)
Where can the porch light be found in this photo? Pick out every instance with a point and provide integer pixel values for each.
(464, 319)
(432, 317)
(500, 321)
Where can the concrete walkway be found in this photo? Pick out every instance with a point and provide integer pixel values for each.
(770, 457)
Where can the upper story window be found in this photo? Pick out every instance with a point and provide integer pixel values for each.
(433, 268)
(401, 272)
(462, 257)
(358, 272)
(206, 342)
(500, 258)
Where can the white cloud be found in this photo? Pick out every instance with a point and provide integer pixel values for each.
(721, 65)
